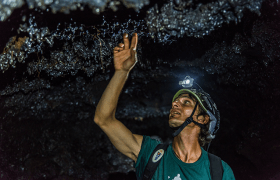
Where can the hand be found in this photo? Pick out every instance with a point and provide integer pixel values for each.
(125, 56)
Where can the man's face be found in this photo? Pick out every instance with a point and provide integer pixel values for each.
(182, 108)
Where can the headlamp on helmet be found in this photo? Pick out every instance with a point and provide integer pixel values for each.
(187, 82)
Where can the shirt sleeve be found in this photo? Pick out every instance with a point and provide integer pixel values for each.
(147, 147)
(228, 173)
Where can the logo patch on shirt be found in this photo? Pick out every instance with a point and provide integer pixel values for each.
(158, 155)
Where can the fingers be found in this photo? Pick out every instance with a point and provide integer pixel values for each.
(134, 41)
(117, 49)
(126, 41)
(121, 45)
(133, 54)
(126, 44)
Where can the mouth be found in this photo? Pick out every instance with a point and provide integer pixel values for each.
(174, 113)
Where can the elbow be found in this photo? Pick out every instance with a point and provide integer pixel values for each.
(98, 116)
(96, 119)
(100, 119)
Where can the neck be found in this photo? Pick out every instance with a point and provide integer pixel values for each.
(186, 145)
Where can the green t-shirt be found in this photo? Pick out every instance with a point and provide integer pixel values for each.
(172, 168)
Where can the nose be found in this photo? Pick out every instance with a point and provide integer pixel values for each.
(175, 103)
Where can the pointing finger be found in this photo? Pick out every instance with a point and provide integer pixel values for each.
(133, 55)
(134, 41)
(126, 41)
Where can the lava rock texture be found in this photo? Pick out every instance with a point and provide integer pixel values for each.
(181, 18)
(57, 60)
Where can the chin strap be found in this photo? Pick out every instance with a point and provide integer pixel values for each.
(187, 122)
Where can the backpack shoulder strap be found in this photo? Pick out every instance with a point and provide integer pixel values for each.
(216, 167)
(154, 160)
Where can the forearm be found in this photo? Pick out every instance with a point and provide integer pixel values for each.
(108, 103)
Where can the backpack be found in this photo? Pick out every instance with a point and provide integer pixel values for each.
(216, 168)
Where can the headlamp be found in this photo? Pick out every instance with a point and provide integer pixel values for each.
(187, 82)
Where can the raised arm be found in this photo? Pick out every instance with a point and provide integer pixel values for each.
(122, 138)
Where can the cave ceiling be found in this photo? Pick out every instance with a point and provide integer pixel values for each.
(56, 60)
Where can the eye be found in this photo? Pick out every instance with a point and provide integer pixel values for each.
(186, 102)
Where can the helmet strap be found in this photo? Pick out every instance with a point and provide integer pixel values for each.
(187, 122)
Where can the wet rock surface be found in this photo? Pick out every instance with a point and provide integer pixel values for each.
(56, 67)
(66, 6)
(194, 18)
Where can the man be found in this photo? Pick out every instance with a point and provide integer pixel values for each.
(184, 158)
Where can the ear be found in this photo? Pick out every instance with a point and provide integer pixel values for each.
(204, 119)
